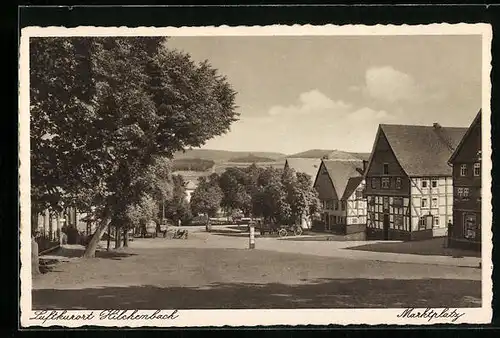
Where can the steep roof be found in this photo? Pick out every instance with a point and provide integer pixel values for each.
(308, 166)
(477, 120)
(423, 150)
(340, 172)
(352, 185)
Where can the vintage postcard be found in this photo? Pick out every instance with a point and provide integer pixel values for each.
(248, 176)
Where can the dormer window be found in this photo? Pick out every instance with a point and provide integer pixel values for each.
(386, 169)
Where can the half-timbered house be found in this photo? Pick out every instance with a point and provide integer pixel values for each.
(340, 187)
(466, 163)
(409, 183)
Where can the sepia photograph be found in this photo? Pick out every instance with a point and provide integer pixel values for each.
(332, 174)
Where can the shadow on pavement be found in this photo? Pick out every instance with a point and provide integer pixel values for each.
(65, 252)
(322, 293)
(433, 247)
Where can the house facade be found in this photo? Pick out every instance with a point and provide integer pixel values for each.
(466, 163)
(409, 187)
(340, 186)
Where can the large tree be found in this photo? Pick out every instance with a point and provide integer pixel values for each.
(103, 108)
(233, 182)
(207, 197)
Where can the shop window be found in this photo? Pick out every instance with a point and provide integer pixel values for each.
(470, 226)
(477, 169)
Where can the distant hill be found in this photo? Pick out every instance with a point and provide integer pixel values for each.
(224, 155)
(251, 158)
(331, 154)
(312, 153)
(192, 164)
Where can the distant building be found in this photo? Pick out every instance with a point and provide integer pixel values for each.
(340, 186)
(409, 183)
(190, 188)
(466, 163)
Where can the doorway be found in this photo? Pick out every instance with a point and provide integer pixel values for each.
(386, 226)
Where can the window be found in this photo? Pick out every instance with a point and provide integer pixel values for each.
(470, 226)
(421, 223)
(359, 193)
(436, 221)
(374, 183)
(342, 205)
(424, 183)
(397, 202)
(463, 170)
(398, 222)
(398, 182)
(385, 182)
(434, 202)
(354, 220)
(336, 205)
(434, 183)
(386, 169)
(466, 192)
(460, 192)
(477, 169)
(423, 203)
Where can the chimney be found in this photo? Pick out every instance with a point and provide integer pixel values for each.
(436, 125)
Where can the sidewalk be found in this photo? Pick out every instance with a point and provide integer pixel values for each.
(340, 249)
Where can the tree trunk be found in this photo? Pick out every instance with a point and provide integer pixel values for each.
(109, 237)
(125, 237)
(51, 228)
(117, 238)
(35, 264)
(99, 231)
(59, 232)
(44, 223)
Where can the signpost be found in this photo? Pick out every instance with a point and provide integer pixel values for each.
(252, 236)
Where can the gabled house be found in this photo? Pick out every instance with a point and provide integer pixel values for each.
(340, 187)
(466, 163)
(409, 185)
(307, 166)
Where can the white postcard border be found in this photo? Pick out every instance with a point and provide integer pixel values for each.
(256, 317)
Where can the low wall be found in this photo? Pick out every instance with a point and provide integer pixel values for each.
(398, 235)
(464, 244)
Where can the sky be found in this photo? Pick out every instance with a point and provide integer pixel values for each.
(331, 92)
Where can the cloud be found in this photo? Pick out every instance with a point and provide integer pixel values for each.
(311, 102)
(391, 85)
(367, 114)
(314, 121)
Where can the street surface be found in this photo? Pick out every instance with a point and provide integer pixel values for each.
(219, 271)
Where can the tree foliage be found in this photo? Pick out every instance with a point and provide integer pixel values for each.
(102, 109)
(177, 208)
(207, 197)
